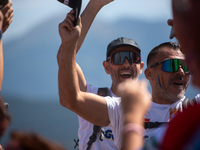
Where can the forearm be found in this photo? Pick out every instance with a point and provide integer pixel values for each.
(87, 105)
(88, 17)
(67, 76)
(133, 125)
(133, 131)
(135, 102)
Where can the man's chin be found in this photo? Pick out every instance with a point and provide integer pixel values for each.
(178, 95)
(126, 79)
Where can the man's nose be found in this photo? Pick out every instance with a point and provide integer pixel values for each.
(126, 63)
(180, 70)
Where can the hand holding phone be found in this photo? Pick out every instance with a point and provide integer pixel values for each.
(75, 5)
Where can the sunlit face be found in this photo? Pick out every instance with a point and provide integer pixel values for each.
(168, 86)
(120, 73)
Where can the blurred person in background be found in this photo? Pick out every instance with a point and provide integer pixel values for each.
(21, 140)
(4, 119)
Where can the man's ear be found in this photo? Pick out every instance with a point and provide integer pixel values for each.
(141, 67)
(106, 67)
(148, 73)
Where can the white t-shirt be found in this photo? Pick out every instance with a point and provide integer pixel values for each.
(86, 129)
(156, 113)
(153, 143)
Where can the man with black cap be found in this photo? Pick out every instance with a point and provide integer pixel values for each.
(115, 64)
(123, 61)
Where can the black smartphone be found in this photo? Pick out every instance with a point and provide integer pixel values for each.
(3, 3)
(75, 5)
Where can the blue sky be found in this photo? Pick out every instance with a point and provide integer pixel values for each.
(29, 13)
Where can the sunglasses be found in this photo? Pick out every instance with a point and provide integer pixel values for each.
(172, 65)
(119, 58)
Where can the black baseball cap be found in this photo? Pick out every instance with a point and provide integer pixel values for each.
(120, 42)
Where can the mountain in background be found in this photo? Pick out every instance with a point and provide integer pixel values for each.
(30, 73)
(46, 118)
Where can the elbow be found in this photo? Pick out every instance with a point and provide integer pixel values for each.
(68, 102)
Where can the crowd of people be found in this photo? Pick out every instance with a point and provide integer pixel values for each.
(19, 140)
(136, 119)
(125, 116)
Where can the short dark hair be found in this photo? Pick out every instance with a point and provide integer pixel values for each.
(154, 51)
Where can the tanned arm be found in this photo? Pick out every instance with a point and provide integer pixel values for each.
(135, 102)
(89, 106)
(88, 16)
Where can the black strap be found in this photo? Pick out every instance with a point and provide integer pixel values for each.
(76, 143)
(152, 124)
(103, 91)
(96, 129)
(93, 137)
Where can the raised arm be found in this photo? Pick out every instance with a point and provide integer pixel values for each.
(87, 17)
(135, 102)
(87, 105)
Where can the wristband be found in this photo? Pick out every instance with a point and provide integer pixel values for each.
(133, 127)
